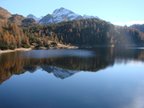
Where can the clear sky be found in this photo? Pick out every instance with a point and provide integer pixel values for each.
(119, 12)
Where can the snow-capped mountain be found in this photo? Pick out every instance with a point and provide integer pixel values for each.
(33, 17)
(61, 15)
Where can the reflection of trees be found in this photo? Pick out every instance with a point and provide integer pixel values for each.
(10, 64)
(15, 63)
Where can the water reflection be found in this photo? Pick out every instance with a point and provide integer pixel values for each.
(137, 101)
(64, 63)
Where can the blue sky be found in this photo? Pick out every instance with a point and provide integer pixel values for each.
(119, 12)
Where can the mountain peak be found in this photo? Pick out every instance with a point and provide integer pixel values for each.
(33, 17)
(61, 15)
(62, 11)
(30, 15)
(61, 8)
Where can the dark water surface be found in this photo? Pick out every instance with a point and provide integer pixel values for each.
(92, 78)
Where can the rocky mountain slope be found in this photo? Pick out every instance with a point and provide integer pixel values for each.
(61, 15)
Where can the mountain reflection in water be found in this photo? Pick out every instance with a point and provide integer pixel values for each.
(64, 63)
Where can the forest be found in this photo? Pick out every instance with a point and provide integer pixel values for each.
(17, 31)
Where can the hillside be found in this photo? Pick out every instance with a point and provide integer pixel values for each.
(4, 14)
(89, 33)
(139, 27)
(17, 31)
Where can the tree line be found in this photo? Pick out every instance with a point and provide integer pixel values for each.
(83, 33)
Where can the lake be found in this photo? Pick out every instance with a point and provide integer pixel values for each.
(74, 78)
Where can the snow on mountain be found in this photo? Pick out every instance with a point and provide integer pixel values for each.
(61, 15)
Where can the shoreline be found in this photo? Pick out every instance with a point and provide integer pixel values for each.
(60, 46)
(17, 49)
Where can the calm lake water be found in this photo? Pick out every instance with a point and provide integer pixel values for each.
(86, 78)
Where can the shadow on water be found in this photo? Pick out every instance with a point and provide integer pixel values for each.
(64, 63)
